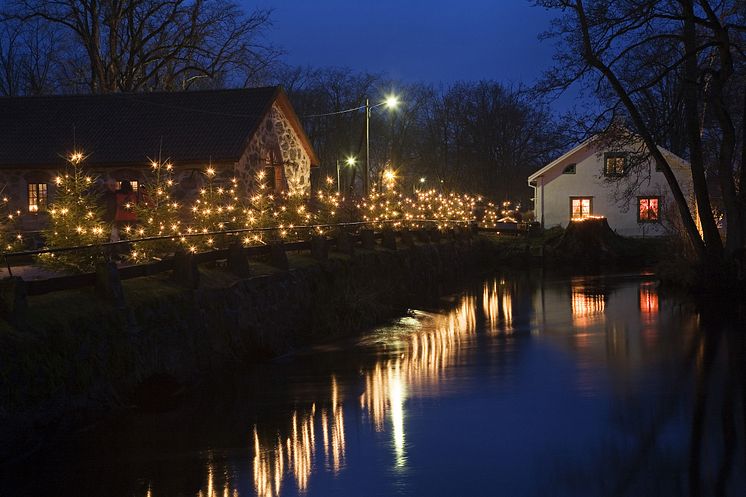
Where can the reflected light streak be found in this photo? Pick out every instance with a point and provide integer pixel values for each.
(586, 306)
(397, 398)
(497, 304)
(297, 451)
(648, 299)
(425, 356)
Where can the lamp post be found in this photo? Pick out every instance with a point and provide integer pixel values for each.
(391, 102)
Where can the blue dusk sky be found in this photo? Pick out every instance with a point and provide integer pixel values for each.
(433, 41)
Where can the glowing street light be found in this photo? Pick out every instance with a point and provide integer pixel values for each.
(350, 161)
(391, 102)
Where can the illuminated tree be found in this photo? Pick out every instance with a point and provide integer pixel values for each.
(11, 238)
(259, 211)
(75, 218)
(159, 214)
(216, 209)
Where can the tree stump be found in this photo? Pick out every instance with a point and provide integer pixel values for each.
(589, 240)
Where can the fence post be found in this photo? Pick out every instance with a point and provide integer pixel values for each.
(368, 239)
(319, 248)
(185, 272)
(238, 263)
(13, 301)
(406, 237)
(422, 235)
(388, 239)
(108, 283)
(277, 256)
(344, 244)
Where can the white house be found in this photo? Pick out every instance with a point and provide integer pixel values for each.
(591, 180)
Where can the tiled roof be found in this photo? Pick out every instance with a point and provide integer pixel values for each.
(126, 128)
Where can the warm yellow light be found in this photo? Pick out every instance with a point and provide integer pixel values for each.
(389, 175)
(351, 161)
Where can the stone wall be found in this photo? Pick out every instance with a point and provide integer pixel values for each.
(276, 142)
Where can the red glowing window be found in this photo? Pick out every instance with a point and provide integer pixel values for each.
(648, 209)
(581, 207)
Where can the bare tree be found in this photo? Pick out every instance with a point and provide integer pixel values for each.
(631, 54)
(140, 45)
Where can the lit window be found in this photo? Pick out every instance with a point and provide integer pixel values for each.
(37, 197)
(648, 209)
(615, 164)
(569, 169)
(135, 184)
(581, 207)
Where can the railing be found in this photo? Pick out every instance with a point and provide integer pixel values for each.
(183, 265)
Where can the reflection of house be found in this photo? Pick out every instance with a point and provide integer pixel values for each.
(237, 131)
(621, 186)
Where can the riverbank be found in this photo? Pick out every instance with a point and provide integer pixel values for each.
(76, 355)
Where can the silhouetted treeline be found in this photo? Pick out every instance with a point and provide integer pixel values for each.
(477, 136)
(482, 136)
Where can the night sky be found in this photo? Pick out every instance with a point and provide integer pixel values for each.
(433, 41)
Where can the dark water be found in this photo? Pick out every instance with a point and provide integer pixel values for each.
(518, 386)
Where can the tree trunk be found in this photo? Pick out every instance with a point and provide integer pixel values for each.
(713, 243)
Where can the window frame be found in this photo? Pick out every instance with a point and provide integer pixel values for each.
(582, 197)
(615, 155)
(134, 182)
(649, 197)
(40, 191)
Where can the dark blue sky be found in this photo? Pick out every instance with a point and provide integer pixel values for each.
(435, 41)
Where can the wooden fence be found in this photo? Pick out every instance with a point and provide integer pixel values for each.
(107, 278)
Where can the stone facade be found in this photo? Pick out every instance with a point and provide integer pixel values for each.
(276, 144)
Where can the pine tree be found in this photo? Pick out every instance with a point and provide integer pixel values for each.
(10, 237)
(216, 209)
(158, 213)
(75, 218)
(260, 211)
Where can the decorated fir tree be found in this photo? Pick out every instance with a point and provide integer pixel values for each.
(75, 218)
(216, 209)
(10, 237)
(260, 211)
(158, 213)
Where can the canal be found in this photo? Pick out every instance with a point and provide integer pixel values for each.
(522, 385)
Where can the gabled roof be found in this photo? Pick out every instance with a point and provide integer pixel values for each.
(125, 128)
(560, 159)
(666, 153)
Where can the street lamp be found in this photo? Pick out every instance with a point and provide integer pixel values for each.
(391, 102)
(350, 161)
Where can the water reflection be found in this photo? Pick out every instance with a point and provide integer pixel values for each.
(586, 386)
(297, 450)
